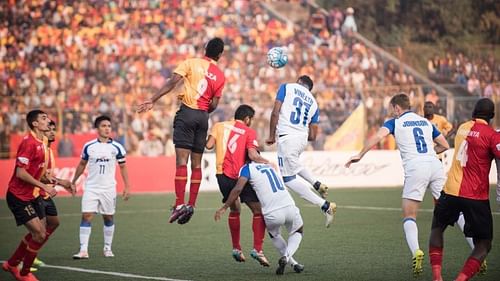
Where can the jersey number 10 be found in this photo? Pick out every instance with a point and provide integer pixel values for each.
(275, 183)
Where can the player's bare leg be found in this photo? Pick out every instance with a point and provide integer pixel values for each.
(108, 231)
(85, 231)
(194, 187)
(181, 160)
(259, 231)
(473, 264)
(410, 209)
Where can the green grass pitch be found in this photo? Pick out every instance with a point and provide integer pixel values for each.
(363, 243)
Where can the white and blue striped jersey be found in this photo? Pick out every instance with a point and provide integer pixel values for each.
(298, 110)
(268, 186)
(414, 136)
(102, 158)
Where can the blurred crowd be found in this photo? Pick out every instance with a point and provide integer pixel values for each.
(80, 59)
(480, 76)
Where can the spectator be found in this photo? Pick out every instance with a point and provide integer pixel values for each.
(349, 24)
(65, 146)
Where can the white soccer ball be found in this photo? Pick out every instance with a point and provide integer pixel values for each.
(276, 57)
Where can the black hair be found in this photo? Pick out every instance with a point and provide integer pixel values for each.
(214, 48)
(306, 80)
(484, 109)
(32, 116)
(244, 111)
(52, 123)
(99, 119)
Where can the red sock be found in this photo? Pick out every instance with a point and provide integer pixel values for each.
(470, 268)
(195, 185)
(259, 230)
(20, 252)
(436, 257)
(29, 257)
(180, 184)
(234, 227)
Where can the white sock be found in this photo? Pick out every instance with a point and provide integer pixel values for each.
(84, 238)
(293, 243)
(305, 191)
(292, 261)
(461, 224)
(411, 232)
(305, 174)
(280, 244)
(108, 236)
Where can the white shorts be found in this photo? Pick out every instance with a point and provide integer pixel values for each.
(422, 175)
(288, 216)
(102, 202)
(290, 148)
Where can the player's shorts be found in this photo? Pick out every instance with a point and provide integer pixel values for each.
(190, 129)
(49, 206)
(290, 147)
(24, 211)
(288, 216)
(477, 215)
(422, 175)
(97, 201)
(226, 184)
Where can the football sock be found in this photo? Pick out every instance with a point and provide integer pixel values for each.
(194, 186)
(18, 255)
(85, 230)
(303, 190)
(234, 227)
(108, 230)
(259, 231)
(470, 268)
(180, 184)
(280, 244)
(29, 257)
(292, 261)
(293, 243)
(411, 233)
(436, 259)
(461, 224)
(305, 174)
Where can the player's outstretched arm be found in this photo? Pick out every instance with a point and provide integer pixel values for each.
(23, 175)
(79, 170)
(381, 134)
(441, 144)
(169, 86)
(233, 196)
(126, 189)
(274, 122)
(254, 155)
(213, 104)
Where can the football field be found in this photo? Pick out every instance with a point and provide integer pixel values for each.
(365, 242)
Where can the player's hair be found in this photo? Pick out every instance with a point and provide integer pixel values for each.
(243, 111)
(484, 109)
(402, 100)
(32, 116)
(307, 81)
(101, 118)
(52, 123)
(214, 48)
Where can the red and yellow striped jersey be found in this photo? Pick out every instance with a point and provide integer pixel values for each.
(232, 140)
(476, 145)
(51, 165)
(203, 80)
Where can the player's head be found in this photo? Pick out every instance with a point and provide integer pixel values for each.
(400, 103)
(306, 81)
(214, 48)
(484, 109)
(244, 113)
(103, 126)
(37, 120)
(429, 109)
(51, 133)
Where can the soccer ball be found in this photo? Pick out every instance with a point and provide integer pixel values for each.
(276, 57)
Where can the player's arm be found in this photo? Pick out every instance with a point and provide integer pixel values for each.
(169, 86)
(313, 132)
(210, 142)
(213, 104)
(23, 175)
(255, 156)
(233, 196)
(441, 143)
(79, 170)
(381, 134)
(274, 122)
(126, 189)
(447, 127)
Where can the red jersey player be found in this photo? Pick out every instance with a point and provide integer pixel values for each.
(23, 198)
(467, 191)
(233, 140)
(203, 84)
